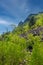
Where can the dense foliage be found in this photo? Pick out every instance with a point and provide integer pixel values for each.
(24, 45)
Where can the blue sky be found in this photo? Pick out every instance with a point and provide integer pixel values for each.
(13, 11)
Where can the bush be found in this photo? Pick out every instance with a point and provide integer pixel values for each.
(37, 54)
(12, 53)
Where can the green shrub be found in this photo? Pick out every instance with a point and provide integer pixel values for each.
(37, 54)
(12, 53)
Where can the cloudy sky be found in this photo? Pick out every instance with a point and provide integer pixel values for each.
(13, 11)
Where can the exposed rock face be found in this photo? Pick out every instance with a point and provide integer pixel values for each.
(36, 31)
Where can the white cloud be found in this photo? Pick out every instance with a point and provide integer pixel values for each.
(3, 22)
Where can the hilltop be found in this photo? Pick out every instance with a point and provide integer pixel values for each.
(33, 24)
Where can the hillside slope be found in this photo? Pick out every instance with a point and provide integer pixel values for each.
(24, 45)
